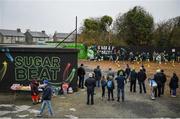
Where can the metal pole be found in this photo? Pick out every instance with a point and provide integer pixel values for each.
(76, 34)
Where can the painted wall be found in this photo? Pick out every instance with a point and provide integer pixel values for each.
(21, 65)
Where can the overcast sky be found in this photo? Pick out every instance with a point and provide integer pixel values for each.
(59, 15)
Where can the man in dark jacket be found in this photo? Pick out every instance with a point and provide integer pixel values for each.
(90, 83)
(110, 87)
(141, 80)
(163, 81)
(120, 86)
(127, 71)
(158, 79)
(81, 72)
(98, 75)
(46, 97)
(121, 71)
(173, 84)
(132, 79)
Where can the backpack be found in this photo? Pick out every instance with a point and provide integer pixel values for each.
(109, 84)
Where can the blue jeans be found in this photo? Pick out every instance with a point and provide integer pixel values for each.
(174, 92)
(48, 103)
(98, 83)
(120, 90)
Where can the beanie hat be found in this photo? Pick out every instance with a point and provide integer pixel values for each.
(45, 81)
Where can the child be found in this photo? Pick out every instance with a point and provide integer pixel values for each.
(173, 85)
(103, 85)
(153, 85)
(110, 87)
(34, 91)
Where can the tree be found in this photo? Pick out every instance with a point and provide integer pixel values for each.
(167, 33)
(135, 26)
(96, 29)
(105, 23)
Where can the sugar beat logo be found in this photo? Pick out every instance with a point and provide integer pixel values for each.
(30, 67)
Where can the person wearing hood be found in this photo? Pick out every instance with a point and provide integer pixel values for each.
(46, 98)
(120, 86)
(34, 91)
(173, 85)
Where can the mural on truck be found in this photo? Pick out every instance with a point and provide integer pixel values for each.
(23, 67)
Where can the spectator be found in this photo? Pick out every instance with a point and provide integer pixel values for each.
(110, 87)
(153, 86)
(163, 82)
(132, 78)
(98, 75)
(143, 68)
(34, 91)
(46, 97)
(103, 85)
(90, 83)
(110, 73)
(120, 86)
(141, 80)
(127, 71)
(81, 73)
(173, 85)
(158, 78)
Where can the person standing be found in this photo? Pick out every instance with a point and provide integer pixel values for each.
(110, 87)
(90, 83)
(127, 71)
(141, 80)
(103, 85)
(173, 84)
(120, 86)
(110, 73)
(98, 74)
(81, 74)
(46, 97)
(121, 71)
(34, 91)
(153, 86)
(158, 78)
(132, 79)
(163, 81)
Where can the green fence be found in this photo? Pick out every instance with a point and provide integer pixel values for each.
(82, 54)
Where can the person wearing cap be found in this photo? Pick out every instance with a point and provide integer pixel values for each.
(46, 98)
(98, 75)
(158, 77)
(90, 83)
(81, 73)
(34, 91)
(132, 79)
(120, 85)
(141, 76)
